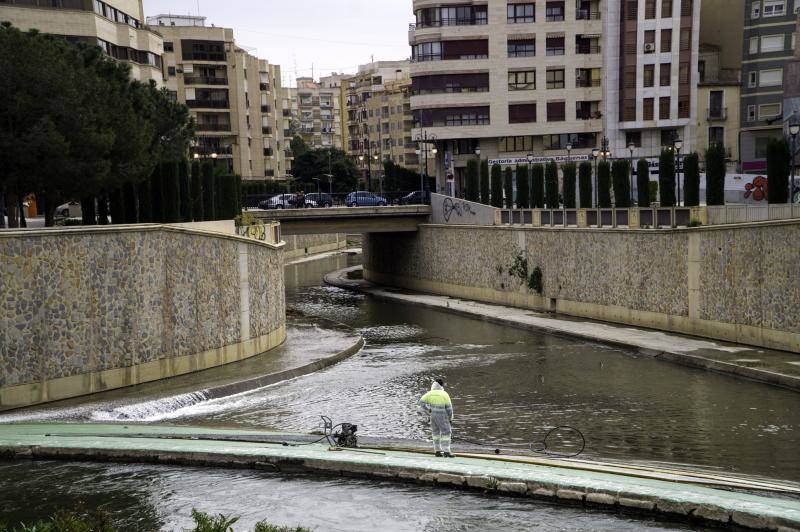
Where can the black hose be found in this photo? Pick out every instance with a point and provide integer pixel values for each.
(543, 450)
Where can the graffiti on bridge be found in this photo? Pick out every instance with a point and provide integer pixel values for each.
(459, 207)
(256, 232)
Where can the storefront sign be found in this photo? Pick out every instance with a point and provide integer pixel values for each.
(513, 161)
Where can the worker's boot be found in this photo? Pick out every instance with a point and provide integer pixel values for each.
(439, 454)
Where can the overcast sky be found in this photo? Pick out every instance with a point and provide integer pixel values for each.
(333, 35)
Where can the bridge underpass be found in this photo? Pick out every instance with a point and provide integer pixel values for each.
(393, 219)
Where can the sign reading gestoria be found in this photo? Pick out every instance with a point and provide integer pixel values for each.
(512, 161)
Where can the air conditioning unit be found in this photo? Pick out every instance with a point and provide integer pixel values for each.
(649, 48)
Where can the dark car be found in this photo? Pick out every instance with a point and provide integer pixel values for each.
(320, 198)
(418, 197)
(365, 199)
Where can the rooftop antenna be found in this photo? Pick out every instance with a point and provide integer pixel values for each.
(198, 8)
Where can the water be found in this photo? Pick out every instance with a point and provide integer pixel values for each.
(507, 385)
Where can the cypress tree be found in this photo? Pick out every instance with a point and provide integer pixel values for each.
(197, 193)
(691, 180)
(472, 192)
(715, 175)
(497, 186)
(157, 195)
(117, 206)
(238, 195)
(88, 215)
(569, 173)
(778, 164)
(185, 191)
(523, 187)
(537, 186)
(102, 209)
(145, 201)
(620, 173)
(485, 183)
(666, 177)
(585, 184)
(129, 203)
(209, 199)
(551, 185)
(604, 184)
(508, 187)
(172, 197)
(642, 183)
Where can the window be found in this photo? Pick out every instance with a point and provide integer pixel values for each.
(715, 104)
(556, 111)
(666, 41)
(632, 10)
(508, 144)
(429, 51)
(168, 46)
(171, 71)
(751, 113)
(648, 108)
(716, 135)
(683, 73)
(649, 75)
(578, 141)
(555, 79)
(772, 43)
(633, 137)
(521, 113)
(587, 77)
(770, 78)
(684, 109)
(769, 110)
(650, 9)
(522, 48)
(522, 81)
(650, 41)
(664, 104)
(794, 41)
(761, 147)
(754, 45)
(555, 45)
(774, 8)
(755, 11)
(521, 13)
(686, 39)
(665, 74)
(464, 116)
(667, 136)
(752, 79)
(554, 11)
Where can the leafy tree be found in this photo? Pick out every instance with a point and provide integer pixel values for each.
(778, 165)
(485, 196)
(508, 187)
(523, 187)
(585, 184)
(472, 193)
(497, 186)
(298, 146)
(537, 186)
(604, 184)
(620, 172)
(551, 185)
(715, 175)
(642, 183)
(691, 180)
(314, 164)
(666, 177)
(569, 171)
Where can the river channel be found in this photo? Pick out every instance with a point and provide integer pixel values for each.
(508, 387)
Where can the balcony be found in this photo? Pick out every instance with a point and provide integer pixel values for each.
(587, 83)
(208, 104)
(588, 115)
(473, 21)
(587, 49)
(204, 80)
(267, 152)
(717, 113)
(586, 14)
(263, 86)
(214, 126)
(265, 108)
(287, 113)
(266, 130)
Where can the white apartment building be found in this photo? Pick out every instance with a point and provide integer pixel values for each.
(552, 78)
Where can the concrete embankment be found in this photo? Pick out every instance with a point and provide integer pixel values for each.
(671, 495)
(771, 367)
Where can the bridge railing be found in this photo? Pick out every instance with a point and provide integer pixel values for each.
(315, 200)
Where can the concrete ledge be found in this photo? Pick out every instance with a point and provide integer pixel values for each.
(87, 383)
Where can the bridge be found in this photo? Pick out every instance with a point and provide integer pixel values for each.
(392, 219)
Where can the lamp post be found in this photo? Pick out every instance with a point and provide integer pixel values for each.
(677, 145)
(569, 152)
(794, 129)
(595, 154)
(631, 147)
(422, 141)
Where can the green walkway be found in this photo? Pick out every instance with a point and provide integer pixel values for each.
(575, 481)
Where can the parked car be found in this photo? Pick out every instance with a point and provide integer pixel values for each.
(284, 201)
(69, 210)
(418, 197)
(320, 198)
(365, 199)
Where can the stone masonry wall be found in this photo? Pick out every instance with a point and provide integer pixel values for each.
(739, 283)
(84, 301)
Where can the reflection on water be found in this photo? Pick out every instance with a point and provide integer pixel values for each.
(144, 498)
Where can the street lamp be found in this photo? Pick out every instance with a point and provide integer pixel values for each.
(422, 141)
(631, 147)
(569, 151)
(794, 129)
(595, 155)
(677, 143)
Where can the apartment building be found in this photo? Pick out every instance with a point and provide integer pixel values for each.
(720, 75)
(769, 42)
(553, 79)
(117, 26)
(233, 96)
(379, 121)
(319, 111)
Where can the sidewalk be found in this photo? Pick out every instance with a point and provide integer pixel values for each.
(778, 368)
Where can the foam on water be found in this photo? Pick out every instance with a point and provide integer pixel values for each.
(151, 410)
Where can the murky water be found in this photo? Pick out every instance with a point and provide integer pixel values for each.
(508, 386)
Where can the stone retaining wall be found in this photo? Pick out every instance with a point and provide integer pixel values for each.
(301, 245)
(90, 309)
(737, 283)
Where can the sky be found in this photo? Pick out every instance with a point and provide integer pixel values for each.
(331, 36)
